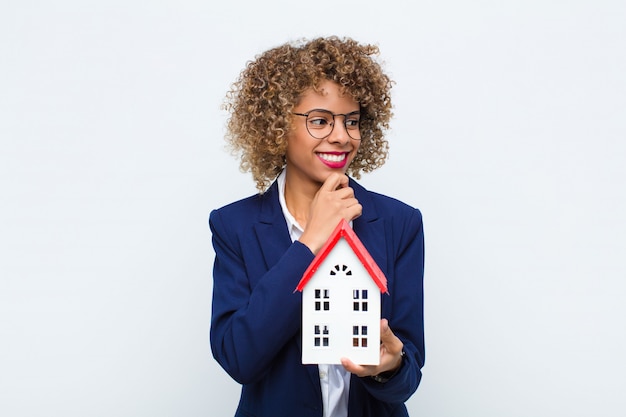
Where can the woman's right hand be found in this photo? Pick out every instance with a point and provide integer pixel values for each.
(333, 202)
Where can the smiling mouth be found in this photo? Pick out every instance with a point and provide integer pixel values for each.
(334, 160)
(333, 157)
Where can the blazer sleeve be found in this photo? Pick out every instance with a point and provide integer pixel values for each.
(248, 331)
(405, 311)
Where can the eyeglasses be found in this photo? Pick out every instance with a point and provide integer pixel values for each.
(320, 123)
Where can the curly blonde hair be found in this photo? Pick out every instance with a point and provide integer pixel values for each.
(260, 102)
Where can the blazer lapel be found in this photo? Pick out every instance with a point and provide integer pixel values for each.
(271, 230)
(370, 228)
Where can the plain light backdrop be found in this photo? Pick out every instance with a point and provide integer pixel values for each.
(509, 134)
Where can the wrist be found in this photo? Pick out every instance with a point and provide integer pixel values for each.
(312, 245)
(387, 375)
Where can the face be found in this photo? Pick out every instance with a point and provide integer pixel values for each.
(311, 160)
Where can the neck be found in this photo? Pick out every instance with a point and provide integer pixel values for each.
(298, 197)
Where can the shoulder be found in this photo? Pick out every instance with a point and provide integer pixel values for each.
(239, 219)
(385, 206)
(240, 207)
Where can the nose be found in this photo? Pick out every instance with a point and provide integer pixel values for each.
(339, 133)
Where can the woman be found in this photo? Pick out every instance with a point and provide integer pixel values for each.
(302, 118)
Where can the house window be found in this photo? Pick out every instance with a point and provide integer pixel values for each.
(341, 269)
(359, 336)
(321, 338)
(322, 299)
(360, 300)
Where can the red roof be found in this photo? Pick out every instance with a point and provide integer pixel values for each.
(343, 230)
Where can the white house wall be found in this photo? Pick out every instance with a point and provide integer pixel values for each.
(340, 319)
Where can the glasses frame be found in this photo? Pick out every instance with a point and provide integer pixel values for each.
(345, 120)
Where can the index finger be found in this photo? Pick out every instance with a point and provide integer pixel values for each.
(353, 368)
(333, 181)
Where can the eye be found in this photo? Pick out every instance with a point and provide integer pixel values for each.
(352, 123)
(319, 119)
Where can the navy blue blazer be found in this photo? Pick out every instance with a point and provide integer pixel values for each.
(256, 315)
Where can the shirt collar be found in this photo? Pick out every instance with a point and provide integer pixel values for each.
(295, 230)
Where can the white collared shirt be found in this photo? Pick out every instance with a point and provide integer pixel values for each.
(334, 379)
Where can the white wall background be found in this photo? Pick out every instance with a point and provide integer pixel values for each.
(510, 135)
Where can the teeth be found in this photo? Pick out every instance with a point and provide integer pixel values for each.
(332, 158)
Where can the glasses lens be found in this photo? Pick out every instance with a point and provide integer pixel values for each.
(353, 125)
(320, 124)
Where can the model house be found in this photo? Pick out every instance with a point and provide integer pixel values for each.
(341, 295)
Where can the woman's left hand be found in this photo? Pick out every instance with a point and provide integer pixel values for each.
(390, 354)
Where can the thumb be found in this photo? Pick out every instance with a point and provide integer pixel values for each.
(387, 337)
(385, 331)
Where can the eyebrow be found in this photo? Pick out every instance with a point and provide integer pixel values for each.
(328, 111)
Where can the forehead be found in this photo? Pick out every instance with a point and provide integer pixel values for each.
(327, 95)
